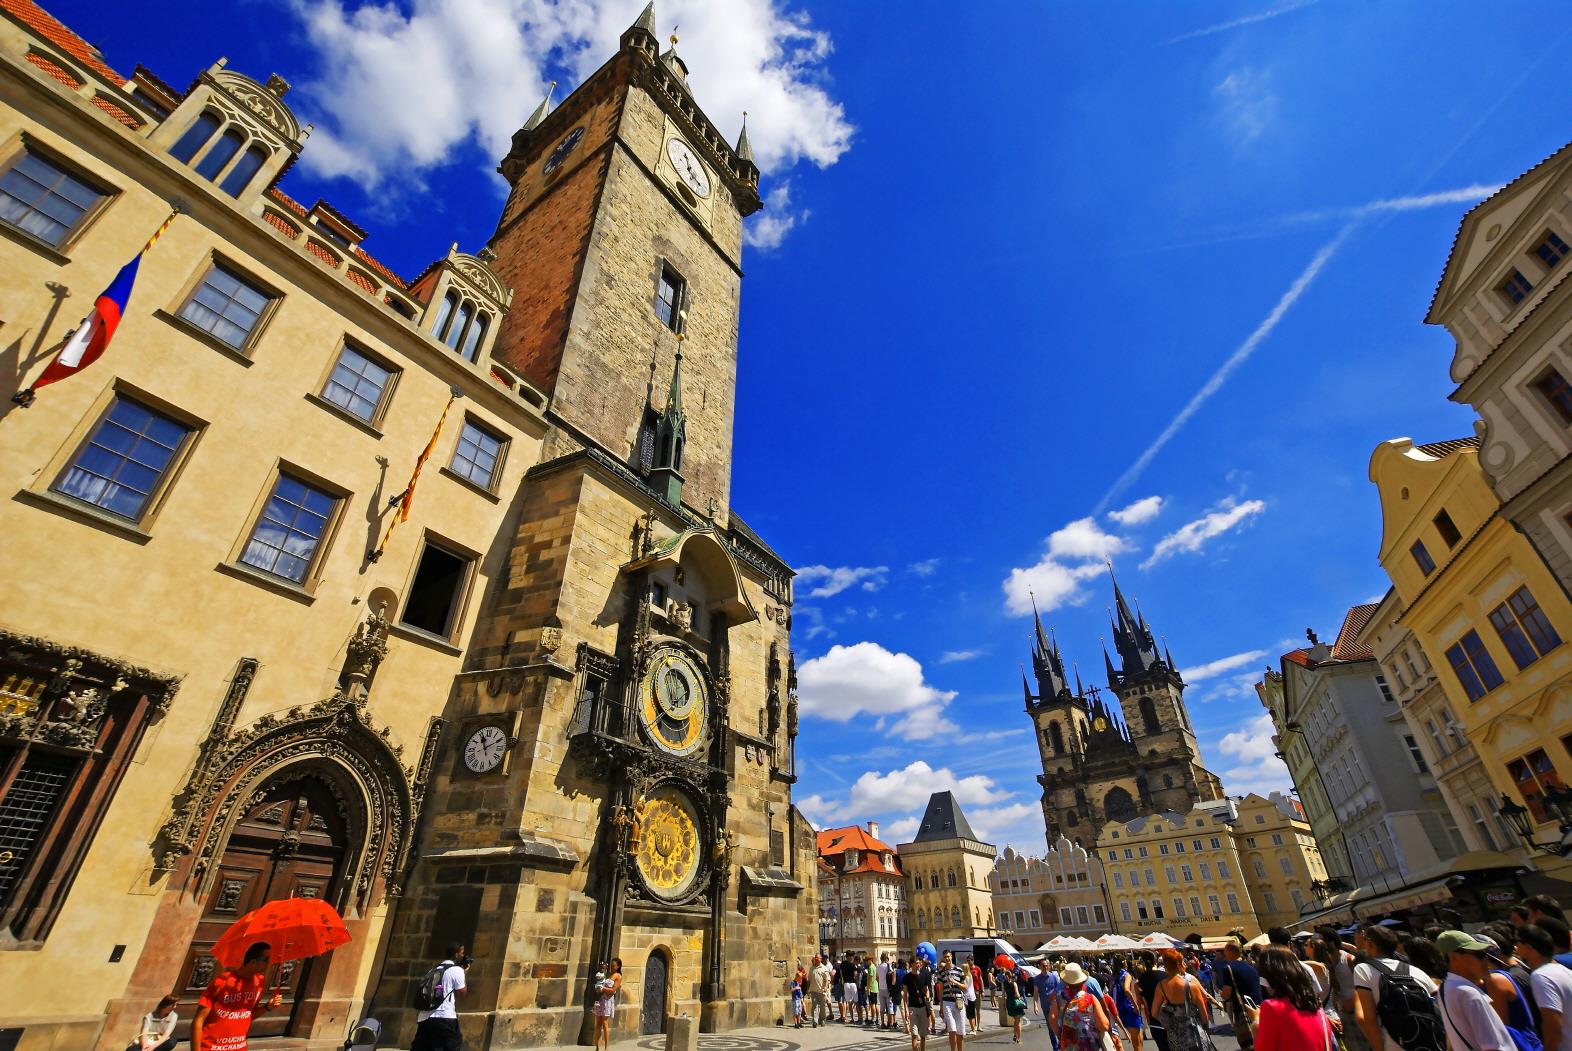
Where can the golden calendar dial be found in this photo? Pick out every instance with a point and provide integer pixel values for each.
(669, 843)
(673, 701)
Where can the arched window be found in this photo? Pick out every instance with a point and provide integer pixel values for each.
(955, 915)
(244, 169)
(1149, 716)
(460, 323)
(477, 332)
(195, 137)
(922, 920)
(1118, 805)
(220, 153)
(445, 311)
(950, 877)
(1056, 737)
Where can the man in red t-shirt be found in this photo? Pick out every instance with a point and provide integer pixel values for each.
(224, 1013)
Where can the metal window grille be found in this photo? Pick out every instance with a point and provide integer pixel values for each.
(25, 813)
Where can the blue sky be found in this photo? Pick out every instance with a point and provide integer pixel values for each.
(1007, 246)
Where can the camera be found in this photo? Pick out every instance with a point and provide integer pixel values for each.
(464, 960)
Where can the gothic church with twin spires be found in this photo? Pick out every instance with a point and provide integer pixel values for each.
(1104, 761)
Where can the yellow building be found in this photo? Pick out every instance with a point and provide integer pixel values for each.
(1489, 614)
(232, 671)
(1179, 874)
(947, 868)
(1279, 855)
(1061, 892)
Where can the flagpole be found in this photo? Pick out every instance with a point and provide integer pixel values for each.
(25, 397)
(406, 496)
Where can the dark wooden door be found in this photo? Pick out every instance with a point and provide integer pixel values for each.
(288, 845)
(652, 1009)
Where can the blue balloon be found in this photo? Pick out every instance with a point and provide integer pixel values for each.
(927, 952)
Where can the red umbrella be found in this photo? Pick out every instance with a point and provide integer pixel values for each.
(294, 927)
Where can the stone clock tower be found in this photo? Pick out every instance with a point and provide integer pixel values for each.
(616, 769)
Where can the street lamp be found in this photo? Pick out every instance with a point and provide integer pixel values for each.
(1558, 800)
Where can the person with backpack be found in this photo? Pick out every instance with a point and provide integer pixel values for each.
(1508, 995)
(1468, 1018)
(1551, 982)
(436, 1003)
(1393, 999)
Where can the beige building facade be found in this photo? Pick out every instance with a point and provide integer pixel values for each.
(1178, 874)
(1061, 892)
(1281, 859)
(862, 893)
(1504, 298)
(947, 868)
(550, 712)
(1490, 614)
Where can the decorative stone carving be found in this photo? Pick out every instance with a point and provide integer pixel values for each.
(61, 694)
(681, 615)
(550, 639)
(478, 274)
(229, 896)
(202, 972)
(260, 102)
(366, 649)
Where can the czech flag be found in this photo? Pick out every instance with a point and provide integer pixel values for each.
(87, 343)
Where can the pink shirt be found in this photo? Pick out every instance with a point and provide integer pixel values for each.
(1285, 1028)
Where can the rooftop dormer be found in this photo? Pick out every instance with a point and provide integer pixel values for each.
(232, 131)
(464, 299)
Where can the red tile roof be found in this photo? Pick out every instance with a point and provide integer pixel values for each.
(1299, 657)
(834, 842)
(53, 30)
(1348, 647)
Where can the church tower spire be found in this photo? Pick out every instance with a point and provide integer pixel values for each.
(1132, 638)
(1046, 662)
(671, 434)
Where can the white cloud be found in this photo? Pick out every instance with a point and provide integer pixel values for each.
(1258, 769)
(769, 228)
(1223, 27)
(1246, 105)
(1019, 825)
(900, 831)
(867, 679)
(1083, 538)
(1075, 553)
(926, 568)
(838, 578)
(1143, 510)
(956, 656)
(896, 798)
(1192, 536)
(1212, 669)
(400, 88)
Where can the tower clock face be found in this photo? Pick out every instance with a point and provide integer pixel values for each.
(689, 169)
(484, 749)
(669, 842)
(565, 147)
(673, 704)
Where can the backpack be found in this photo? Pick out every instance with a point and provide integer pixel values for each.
(430, 993)
(1406, 1012)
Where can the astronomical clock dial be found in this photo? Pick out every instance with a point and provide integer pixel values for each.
(484, 749)
(565, 147)
(673, 705)
(689, 169)
(668, 843)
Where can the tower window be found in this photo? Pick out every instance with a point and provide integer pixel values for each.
(670, 293)
(226, 307)
(1149, 716)
(1524, 629)
(1422, 559)
(1551, 250)
(1553, 387)
(1056, 738)
(220, 153)
(195, 137)
(1475, 668)
(1447, 528)
(1515, 287)
(42, 199)
(436, 594)
(240, 175)
(126, 459)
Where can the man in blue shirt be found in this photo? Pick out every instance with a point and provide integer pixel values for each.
(1047, 985)
(1238, 981)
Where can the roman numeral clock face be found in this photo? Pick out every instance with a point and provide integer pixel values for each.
(484, 750)
(673, 704)
(689, 168)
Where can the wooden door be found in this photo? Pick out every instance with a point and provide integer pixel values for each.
(652, 1008)
(288, 845)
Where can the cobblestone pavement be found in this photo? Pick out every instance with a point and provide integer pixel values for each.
(837, 1037)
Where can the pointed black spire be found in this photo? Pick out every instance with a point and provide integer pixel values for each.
(1132, 638)
(640, 36)
(1113, 676)
(646, 21)
(1046, 662)
(744, 147)
(1026, 689)
(671, 435)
